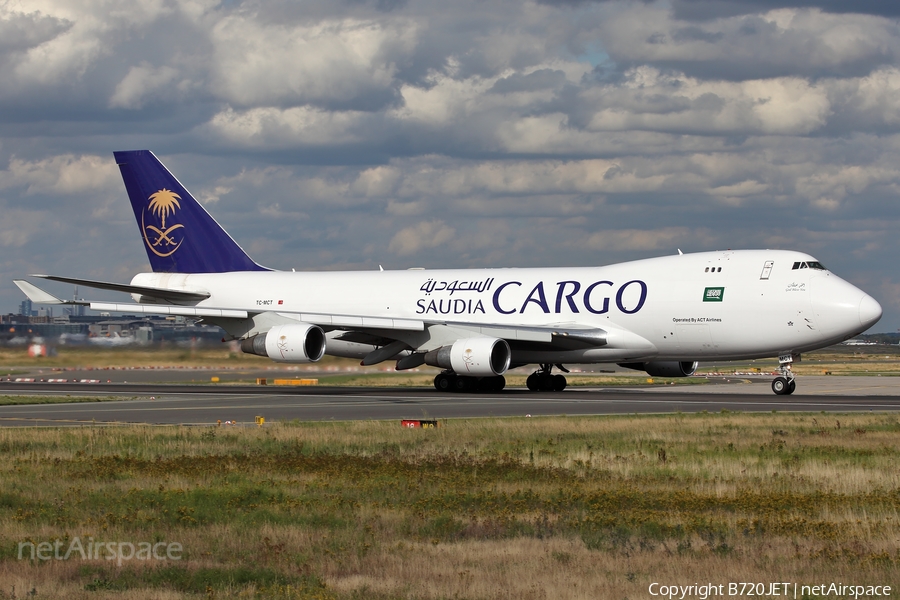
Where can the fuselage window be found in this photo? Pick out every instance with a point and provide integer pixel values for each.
(720, 269)
(707, 270)
(795, 267)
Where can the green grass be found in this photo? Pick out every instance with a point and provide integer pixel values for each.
(477, 508)
(68, 398)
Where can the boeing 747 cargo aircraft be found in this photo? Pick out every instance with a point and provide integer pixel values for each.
(660, 315)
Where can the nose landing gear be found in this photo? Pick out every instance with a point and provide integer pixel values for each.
(784, 384)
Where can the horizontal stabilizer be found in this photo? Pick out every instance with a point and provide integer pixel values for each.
(160, 293)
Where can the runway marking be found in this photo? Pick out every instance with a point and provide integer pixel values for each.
(207, 405)
(859, 389)
(106, 406)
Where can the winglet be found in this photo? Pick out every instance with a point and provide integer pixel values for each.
(37, 295)
(178, 234)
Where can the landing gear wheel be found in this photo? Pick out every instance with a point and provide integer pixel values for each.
(559, 383)
(543, 380)
(491, 384)
(444, 382)
(785, 384)
(781, 386)
(464, 384)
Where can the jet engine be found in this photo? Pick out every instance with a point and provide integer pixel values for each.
(478, 357)
(295, 343)
(664, 368)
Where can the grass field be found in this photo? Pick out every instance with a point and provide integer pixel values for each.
(13, 400)
(539, 508)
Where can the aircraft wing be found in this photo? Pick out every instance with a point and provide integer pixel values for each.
(169, 309)
(323, 320)
(39, 296)
(159, 293)
(355, 327)
(557, 334)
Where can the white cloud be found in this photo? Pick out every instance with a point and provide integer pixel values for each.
(800, 40)
(426, 234)
(263, 64)
(377, 181)
(92, 26)
(496, 133)
(275, 127)
(142, 82)
(64, 174)
(649, 239)
(651, 100)
(874, 98)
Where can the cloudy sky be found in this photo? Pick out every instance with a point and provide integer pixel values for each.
(352, 133)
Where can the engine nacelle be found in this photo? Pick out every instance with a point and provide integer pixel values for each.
(295, 343)
(664, 368)
(478, 357)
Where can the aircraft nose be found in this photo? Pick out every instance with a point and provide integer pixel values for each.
(841, 309)
(869, 311)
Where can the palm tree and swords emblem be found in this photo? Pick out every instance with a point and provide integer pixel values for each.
(162, 204)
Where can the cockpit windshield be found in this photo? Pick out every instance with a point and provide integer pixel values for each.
(811, 264)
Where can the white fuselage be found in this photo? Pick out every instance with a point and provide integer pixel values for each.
(711, 305)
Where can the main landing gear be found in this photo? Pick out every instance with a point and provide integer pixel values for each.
(784, 384)
(448, 381)
(542, 380)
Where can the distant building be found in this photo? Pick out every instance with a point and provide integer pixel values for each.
(77, 329)
(74, 311)
(25, 308)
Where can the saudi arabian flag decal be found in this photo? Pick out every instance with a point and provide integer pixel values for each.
(713, 294)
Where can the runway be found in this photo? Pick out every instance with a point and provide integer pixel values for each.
(203, 405)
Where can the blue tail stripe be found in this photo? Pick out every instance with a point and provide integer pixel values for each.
(178, 234)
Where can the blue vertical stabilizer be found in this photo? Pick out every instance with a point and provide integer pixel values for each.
(178, 234)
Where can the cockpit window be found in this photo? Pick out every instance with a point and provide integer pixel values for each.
(809, 265)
